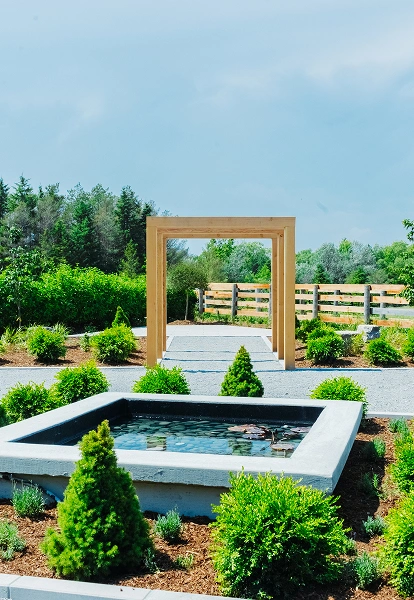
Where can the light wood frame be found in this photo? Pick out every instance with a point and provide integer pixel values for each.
(281, 230)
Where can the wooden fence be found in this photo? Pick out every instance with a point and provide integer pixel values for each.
(334, 303)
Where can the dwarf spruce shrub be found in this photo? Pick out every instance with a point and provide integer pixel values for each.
(100, 521)
(120, 318)
(273, 535)
(27, 400)
(341, 388)
(240, 379)
(160, 380)
(381, 352)
(77, 383)
(113, 345)
(47, 346)
(397, 554)
(325, 349)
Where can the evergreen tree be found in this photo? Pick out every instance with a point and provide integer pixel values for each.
(320, 275)
(240, 379)
(101, 525)
(82, 236)
(4, 195)
(129, 264)
(23, 193)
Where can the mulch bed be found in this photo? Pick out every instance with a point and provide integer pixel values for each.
(200, 578)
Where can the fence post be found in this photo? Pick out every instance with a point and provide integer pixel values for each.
(234, 300)
(382, 304)
(315, 302)
(367, 304)
(269, 307)
(200, 301)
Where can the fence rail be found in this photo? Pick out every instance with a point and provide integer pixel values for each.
(333, 303)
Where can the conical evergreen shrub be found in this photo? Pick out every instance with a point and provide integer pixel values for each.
(120, 318)
(101, 525)
(240, 379)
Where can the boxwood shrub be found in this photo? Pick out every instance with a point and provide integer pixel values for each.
(160, 380)
(26, 400)
(113, 345)
(341, 388)
(381, 352)
(326, 349)
(77, 383)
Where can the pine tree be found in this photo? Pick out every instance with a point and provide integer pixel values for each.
(240, 379)
(101, 525)
(320, 275)
(23, 193)
(4, 195)
(129, 265)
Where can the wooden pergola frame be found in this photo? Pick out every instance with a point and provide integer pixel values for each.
(281, 230)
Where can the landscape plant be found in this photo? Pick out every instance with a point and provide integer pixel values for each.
(380, 352)
(374, 450)
(306, 327)
(366, 570)
(10, 541)
(101, 527)
(326, 349)
(374, 526)
(402, 470)
(273, 535)
(27, 400)
(28, 501)
(408, 347)
(161, 380)
(240, 379)
(169, 526)
(341, 388)
(113, 345)
(77, 383)
(120, 318)
(45, 345)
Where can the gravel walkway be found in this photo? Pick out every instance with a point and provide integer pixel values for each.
(205, 358)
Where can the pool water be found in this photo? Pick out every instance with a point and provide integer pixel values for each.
(209, 436)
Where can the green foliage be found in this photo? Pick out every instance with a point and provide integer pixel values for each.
(47, 346)
(160, 380)
(101, 525)
(2, 347)
(184, 277)
(306, 327)
(354, 345)
(185, 561)
(120, 318)
(273, 535)
(380, 352)
(408, 347)
(320, 275)
(369, 484)
(402, 471)
(28, 501)
(77, 383)
(341, 388)
(27, 400)
(321, 331)
(10, 541)
(169, 527)
(396, 336)
(374, 526)
(374, 450)
(325, 349)
(113, 345)
(240, 379)
(85, 342)
(397, 554)
(366, 570)
(398, 426)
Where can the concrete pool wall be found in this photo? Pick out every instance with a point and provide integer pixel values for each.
(191, 482)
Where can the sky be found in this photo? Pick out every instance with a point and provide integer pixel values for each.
(298, 108)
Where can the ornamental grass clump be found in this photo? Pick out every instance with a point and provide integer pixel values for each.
(77, 383)
(240, 379)
(160, 380)
(46, 345)
(341, 388)
(273, 536)
(101, 527)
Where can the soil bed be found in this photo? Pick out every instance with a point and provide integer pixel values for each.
(355, 504)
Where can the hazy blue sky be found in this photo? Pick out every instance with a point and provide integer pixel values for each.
(220, 107)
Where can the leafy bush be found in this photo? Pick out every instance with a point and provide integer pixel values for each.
(273, 535)
(47, 346)
(2, 347)
(408, 347)
(397, 554)
(374, 526)
(113, 345)
(320, 331)
(77, 383)
(402, 471)
(120, 318)
(380, 352)
(240, 379)
(366, 570)
(374, 450)
(100, 521)
(341, 388)
(325, 349)
(306, 327)
(160, 380)
(10, 541)
(28, 501)
(169, 527)
(26, 400)
(354, 345)
(85, 342)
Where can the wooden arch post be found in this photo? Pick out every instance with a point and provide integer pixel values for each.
(280, 230)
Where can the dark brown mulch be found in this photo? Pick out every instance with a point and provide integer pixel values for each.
(74, 356)
(200, 578)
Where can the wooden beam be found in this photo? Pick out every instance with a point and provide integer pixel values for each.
(151, 296)
(280, 297)
(289, 294)
(274, 284)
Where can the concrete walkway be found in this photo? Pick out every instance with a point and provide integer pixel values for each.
(204, 352)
